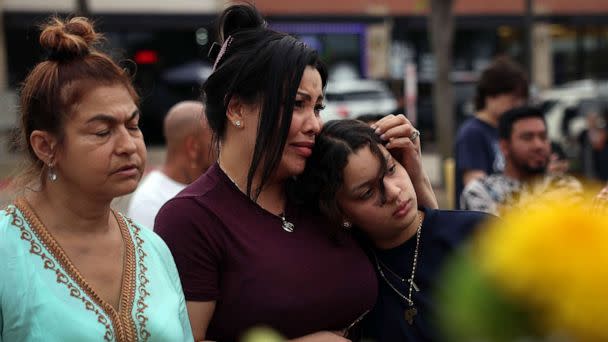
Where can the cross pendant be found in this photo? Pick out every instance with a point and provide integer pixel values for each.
(414, 285)
(410, 313)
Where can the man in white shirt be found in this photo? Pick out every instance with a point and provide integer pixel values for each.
(527, 150)
(189, 154)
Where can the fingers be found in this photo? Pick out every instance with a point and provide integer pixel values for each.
(393, 127)
(390, 121)
(401, 143)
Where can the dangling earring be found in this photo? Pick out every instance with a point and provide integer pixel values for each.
(51, 173)
(347, 225)
(237, 123)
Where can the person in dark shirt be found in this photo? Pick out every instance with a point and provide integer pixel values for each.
(502, 86)
(354, 180)
(246, 253)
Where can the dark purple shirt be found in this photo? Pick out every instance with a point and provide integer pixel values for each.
(230, 250)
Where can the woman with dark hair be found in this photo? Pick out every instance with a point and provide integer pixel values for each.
(247, 254)
(73, 269)
(352, 178)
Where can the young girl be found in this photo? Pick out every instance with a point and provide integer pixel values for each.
(357, 183)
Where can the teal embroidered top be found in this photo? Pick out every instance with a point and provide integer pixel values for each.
(43, 297)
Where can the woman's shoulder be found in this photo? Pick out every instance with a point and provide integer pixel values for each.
(455, 224)
(205, 185)
(199, 197)
(458, 216)
(16, 236)
(11, 224)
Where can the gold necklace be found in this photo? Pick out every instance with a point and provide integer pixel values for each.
(411, 311)
(285, 224)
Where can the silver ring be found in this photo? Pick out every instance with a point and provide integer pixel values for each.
(415, 135)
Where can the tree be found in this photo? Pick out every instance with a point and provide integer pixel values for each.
(82, 7)
(441, 30)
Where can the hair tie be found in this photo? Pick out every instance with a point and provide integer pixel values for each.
(221, 52)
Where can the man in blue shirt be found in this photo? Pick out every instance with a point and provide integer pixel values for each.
(502, 86)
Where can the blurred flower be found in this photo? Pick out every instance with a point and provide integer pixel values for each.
(262, 334)
(539, 272)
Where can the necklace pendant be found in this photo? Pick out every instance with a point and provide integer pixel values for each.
(410, 313)
(411, 281)
(287, 226)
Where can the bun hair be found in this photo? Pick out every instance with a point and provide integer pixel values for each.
(68, 39)
(239, 18)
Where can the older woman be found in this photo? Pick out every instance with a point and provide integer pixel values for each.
(72, 268)
(246, 252)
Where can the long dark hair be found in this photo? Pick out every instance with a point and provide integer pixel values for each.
(323, 175)
(259, 66)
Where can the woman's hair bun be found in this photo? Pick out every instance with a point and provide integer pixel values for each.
(238, 18)
(68, 39)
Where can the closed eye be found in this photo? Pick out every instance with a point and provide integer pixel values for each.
(367, 194)
(319, 108)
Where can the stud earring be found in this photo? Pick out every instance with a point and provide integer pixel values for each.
(347, 225)
(237, 123)
(51, 173)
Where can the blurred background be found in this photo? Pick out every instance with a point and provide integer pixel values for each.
(385, 56)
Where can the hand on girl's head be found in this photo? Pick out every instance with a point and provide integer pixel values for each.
(403, 142)
(396, 130)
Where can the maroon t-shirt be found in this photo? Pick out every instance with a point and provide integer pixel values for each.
(230, 250)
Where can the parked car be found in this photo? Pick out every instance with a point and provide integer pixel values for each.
(352, 98)
(160, 90)
(566, 109)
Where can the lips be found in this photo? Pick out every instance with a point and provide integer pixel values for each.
(127, 170)
(402, 209)
(303, 148)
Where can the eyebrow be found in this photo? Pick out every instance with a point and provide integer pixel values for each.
(307, 96)
(111, 119)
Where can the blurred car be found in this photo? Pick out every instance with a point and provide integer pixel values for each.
(162, 89)
(566, 109)
(343, 71)
(349, 99)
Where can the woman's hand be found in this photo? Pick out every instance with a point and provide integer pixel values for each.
(403, 141)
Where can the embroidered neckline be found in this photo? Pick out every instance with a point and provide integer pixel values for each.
(121, 319)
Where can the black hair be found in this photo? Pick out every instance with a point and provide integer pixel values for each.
(259, 66)
(323, 175)
(510, 117)
(503, 76)
(368, 118)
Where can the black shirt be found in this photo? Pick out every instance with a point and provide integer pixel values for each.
(442, 233)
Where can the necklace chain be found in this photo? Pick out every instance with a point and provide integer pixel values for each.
(285, 224)
(408, 299)
(394, 274)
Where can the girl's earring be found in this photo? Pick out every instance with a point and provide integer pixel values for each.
(237, 123)
(347, 225)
